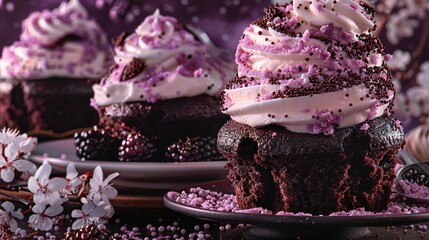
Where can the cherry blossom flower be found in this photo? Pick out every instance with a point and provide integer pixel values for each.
(73, 181)
(14, 146)
(418, 100)
(8, 136)
(400, 60)
(90, 214)
(399, 26)
(9, 163)
(46, 190)
(101, 190)
(400, 104)
(42, 219)
(8, 215)
(423, 75)
(418, 7)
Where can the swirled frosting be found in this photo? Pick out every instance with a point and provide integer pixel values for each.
(310, 66)
(161, 60)
(62, 42)
(417, 142)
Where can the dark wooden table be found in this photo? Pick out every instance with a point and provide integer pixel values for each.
(162, 223)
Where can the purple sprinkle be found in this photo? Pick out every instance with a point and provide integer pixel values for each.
(364, 127)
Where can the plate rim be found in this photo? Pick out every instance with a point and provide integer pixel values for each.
(298, 221)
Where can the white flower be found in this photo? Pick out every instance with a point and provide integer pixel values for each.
(101, 191)
(45, 190)
(400, 26)
(42, 219)
(13, 147)
(400, 60)
(418, 100)
(401, 108)
(423, 75)
(418, 7)
(8, 136)
(27, 145)
(8, 215)
(9, 163)
(88, 215)
(73, 181)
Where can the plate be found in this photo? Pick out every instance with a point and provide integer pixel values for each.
(133, 175)
(285, 227)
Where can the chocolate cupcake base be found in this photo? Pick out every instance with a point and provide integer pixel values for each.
(182, 129)
(279, 170)
(52, 104)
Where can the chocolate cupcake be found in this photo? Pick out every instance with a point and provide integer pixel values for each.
(44, 75)
(159, 100)
(311, 126)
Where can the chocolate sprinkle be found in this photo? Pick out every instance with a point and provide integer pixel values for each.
(133, 68)
(119, 40)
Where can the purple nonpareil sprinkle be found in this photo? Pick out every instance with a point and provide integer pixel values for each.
(364, 127)
(326, 122)
(218, 201)
(414, 190)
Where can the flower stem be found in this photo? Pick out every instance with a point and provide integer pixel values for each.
(22, 200)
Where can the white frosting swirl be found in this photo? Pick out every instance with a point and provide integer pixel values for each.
(297, 113)
(347, 14)
(176, 65)
(61, 42)
(310, 66)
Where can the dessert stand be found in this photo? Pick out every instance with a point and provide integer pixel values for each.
(264, 226)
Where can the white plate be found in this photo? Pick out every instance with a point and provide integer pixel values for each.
(133, 175)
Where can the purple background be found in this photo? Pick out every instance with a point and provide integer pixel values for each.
(223, 20)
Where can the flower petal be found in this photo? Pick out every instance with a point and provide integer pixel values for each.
(45, 224)
(32, 185)
(76, 213)
(96, 197)
(23, 165)
(7, 174)
(18, 215)
(39, 208)
(44, 171)
(78, 224)
(110, 192)
(98, 212)
(71, 171)
(109, 178)
(2, 160)
(8, 206)
(13, 225)
(57, 184)
(98, 175)
(32, 220)
(88, 207)
(28, 145)
(40, 198)
(54, 210)
(11, 152)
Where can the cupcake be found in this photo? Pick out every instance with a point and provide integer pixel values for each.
(311, 126)
(44, 75)
(159, 100)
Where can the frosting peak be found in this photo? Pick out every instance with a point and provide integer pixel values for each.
(161, 60)
(346, 14)
(310, 66)
(157, 25)
(47, 27)
(59, 42)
